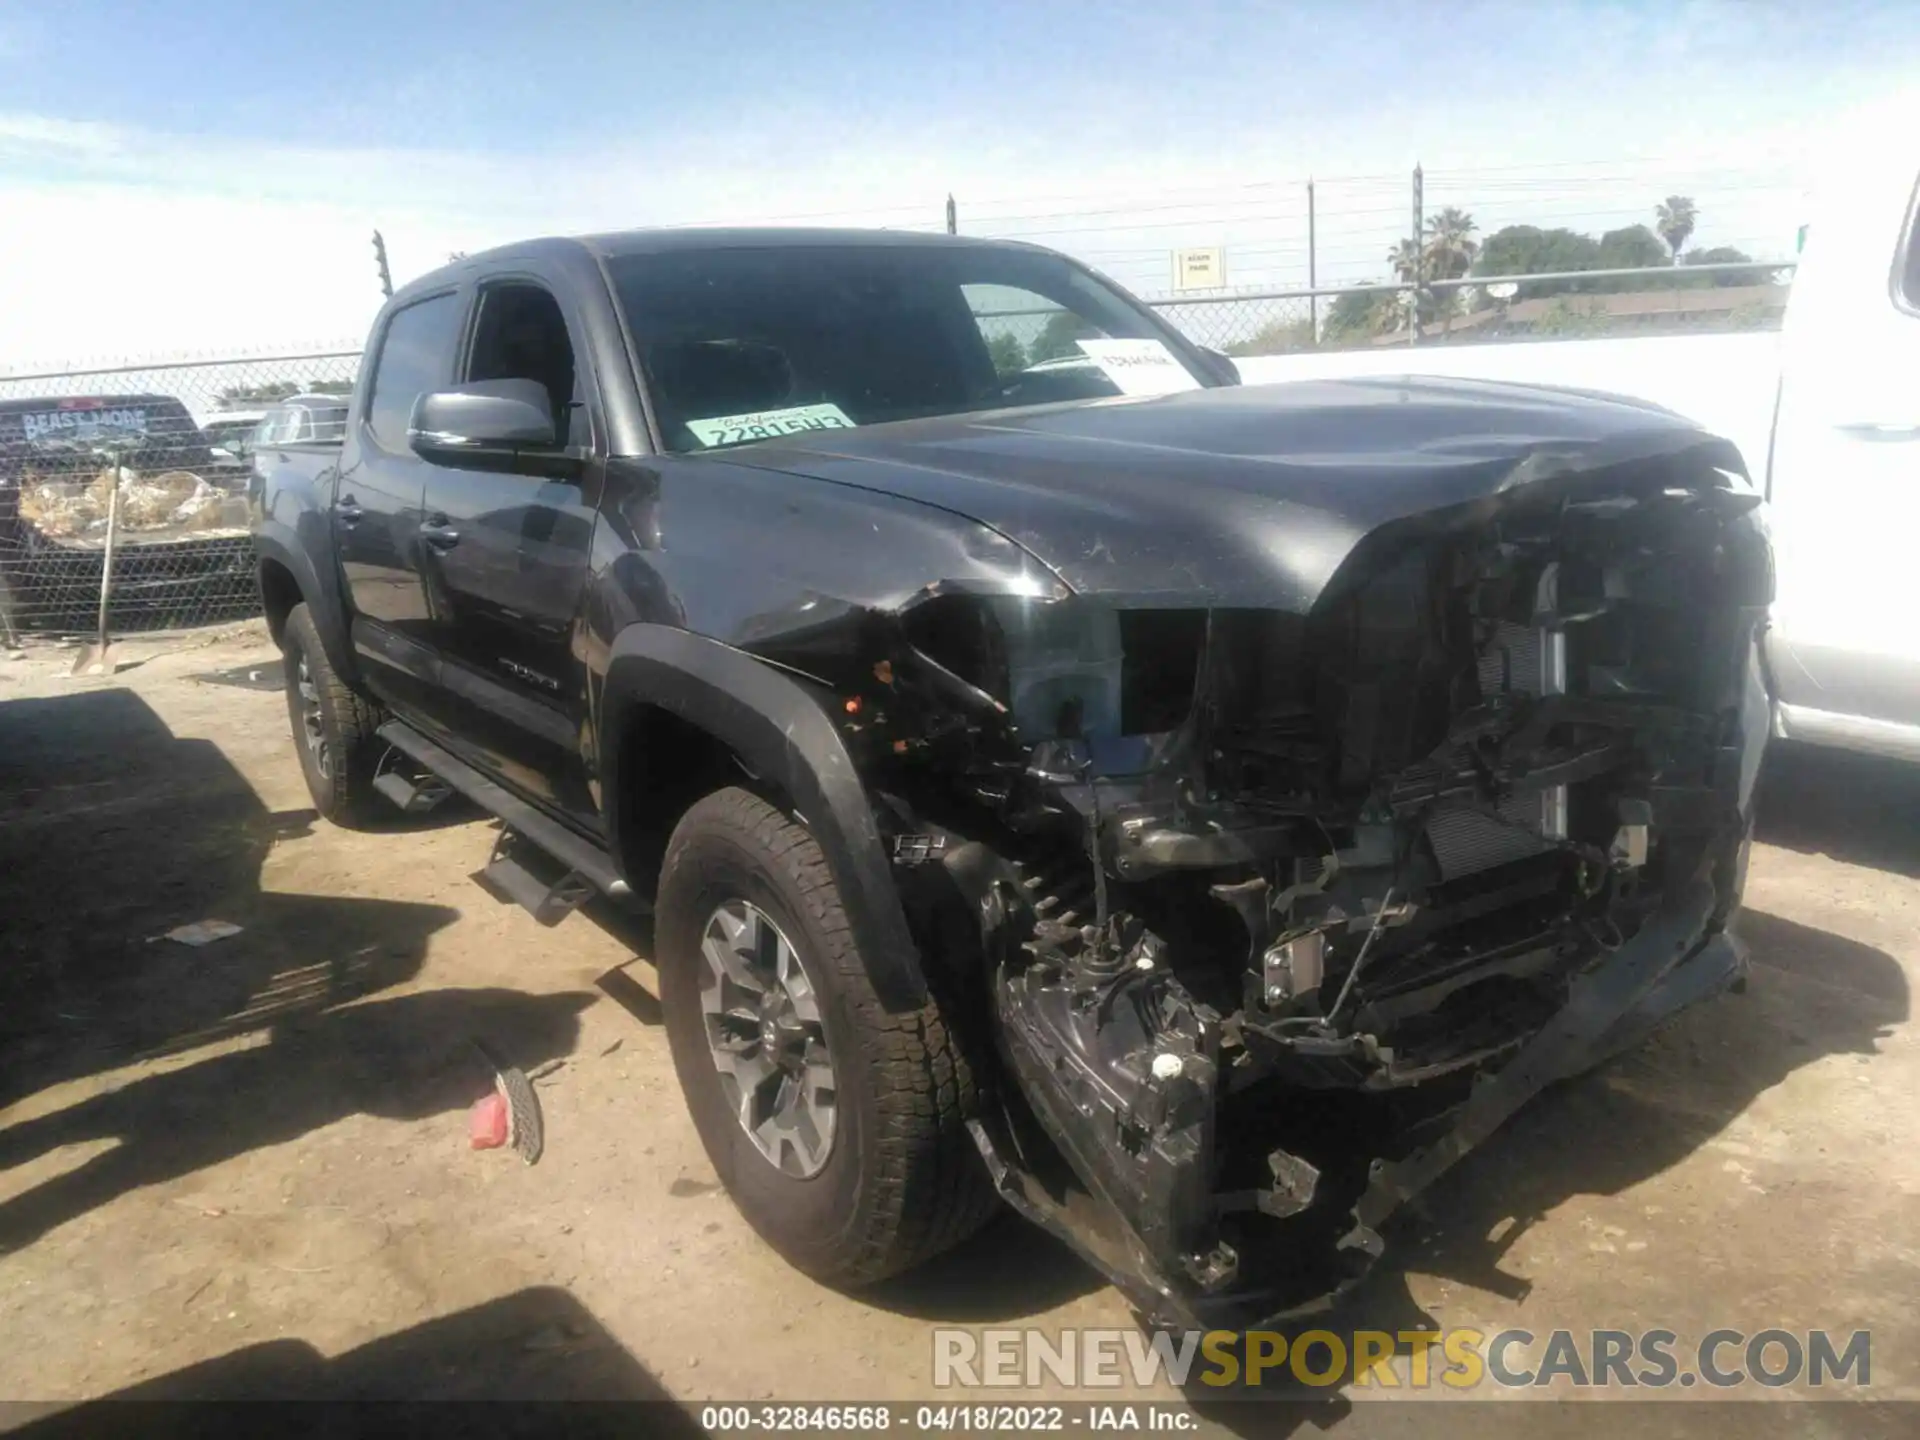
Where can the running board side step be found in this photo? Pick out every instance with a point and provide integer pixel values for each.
(509, 878)
(414, 797)
(588, 867)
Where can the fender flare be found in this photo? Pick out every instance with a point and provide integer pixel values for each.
(781, 733)
(277, 542)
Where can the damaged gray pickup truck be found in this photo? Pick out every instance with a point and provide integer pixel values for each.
(1193, 814)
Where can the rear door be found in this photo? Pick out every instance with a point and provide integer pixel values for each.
(1845, 480)
(506, 558)
(377, 503)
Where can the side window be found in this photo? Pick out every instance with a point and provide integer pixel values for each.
(522, 335)
(416, 355)
(330, 423)
(1022, 329)
(297, 427)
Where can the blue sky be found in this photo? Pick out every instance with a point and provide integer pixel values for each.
(184, 163)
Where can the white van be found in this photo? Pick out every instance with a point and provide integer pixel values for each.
(1827, 414)
(1843, 472)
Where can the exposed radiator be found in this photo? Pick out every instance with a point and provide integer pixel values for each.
(1523, 661)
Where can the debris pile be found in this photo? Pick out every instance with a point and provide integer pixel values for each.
(175, 500)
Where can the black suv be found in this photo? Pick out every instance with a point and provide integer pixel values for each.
(1057, 772)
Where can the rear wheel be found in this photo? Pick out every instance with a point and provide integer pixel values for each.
(333, 728)
(839, 1130)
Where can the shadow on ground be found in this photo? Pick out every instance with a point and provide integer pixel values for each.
(401, 1058)
(1005, 1275)
(1812, 994)
(112, 832)
(523, 1353)
(1862, 809)
(115, 831)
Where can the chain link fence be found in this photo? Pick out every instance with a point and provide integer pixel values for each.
(1664, 300)
(1668, 300)
(129, 482)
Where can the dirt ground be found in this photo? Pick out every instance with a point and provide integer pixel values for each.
(257, 1148)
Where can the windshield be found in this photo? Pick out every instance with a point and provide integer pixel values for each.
(747, 344)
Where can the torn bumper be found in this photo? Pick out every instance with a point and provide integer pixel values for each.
(1675, 961)
(1682, 955)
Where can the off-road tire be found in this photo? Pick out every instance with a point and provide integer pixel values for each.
(903, 1180)
(343, 790)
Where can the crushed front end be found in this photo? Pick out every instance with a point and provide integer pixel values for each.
(1271, 916)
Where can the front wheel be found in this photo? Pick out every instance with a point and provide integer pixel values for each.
(839, 1130)
(333, 728)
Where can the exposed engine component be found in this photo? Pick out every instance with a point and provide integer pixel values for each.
(1217, 857)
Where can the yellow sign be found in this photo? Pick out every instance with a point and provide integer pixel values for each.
(1204, 269)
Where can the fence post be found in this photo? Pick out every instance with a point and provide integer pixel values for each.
(1419, 254)
(1313, 274)
(114, 458)
(953, 217)
(380, 259)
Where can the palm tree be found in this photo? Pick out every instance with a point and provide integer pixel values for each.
(1405, 258)
(1674, 219)
(1450, 244)
(1451, 249)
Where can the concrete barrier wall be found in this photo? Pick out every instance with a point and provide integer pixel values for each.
(1724, 382)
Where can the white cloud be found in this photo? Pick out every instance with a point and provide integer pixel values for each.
(32, 135)
(123, 243)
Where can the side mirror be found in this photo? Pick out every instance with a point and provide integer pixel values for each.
(1223, 363)
(500, 425)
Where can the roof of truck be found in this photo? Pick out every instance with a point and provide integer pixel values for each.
(648, 242)
(664, 241)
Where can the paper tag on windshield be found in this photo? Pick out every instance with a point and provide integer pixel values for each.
(768, 424)
(1139, 367)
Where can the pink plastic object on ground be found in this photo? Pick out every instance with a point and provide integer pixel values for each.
(487, 1122)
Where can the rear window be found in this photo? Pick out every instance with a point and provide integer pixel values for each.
(234, 436)
(318, 421)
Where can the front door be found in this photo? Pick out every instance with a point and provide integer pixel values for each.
(506, 559)
(377, 504)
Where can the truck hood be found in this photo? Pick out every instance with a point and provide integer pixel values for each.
(1250, 496)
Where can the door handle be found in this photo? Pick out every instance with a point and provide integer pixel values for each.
(349, 511)
(439, 534)
(1881, 429)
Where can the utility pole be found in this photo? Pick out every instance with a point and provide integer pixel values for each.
(1419, 253)
(1313, 274)
(380, 259)
(953, 217)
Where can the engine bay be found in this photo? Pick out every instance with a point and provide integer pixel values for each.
(1227, 886)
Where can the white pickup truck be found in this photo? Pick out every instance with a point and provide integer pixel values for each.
(1827, 414)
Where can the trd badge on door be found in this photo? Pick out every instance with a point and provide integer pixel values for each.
(532, 677)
